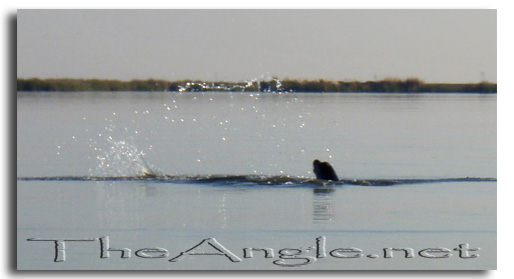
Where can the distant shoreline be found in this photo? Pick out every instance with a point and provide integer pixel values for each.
(410, 85)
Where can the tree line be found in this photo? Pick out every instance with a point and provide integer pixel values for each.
(409, 85)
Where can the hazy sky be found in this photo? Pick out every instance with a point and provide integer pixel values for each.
(434, 45)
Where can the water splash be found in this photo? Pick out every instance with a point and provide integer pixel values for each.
(265, 83)
(121, 158)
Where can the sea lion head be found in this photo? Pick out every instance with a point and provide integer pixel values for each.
(324, 170)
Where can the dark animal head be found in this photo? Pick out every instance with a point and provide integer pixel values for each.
(324, 170)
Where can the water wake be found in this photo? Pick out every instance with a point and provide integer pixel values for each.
(250, 180)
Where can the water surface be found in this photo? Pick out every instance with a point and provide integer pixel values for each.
(81, 158)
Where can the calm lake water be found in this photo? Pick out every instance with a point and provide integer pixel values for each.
(235, 170)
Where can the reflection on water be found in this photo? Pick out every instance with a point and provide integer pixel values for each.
(150, 190)
(322, 204)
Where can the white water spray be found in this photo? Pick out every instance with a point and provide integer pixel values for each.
(123, 159)
(265, 83)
